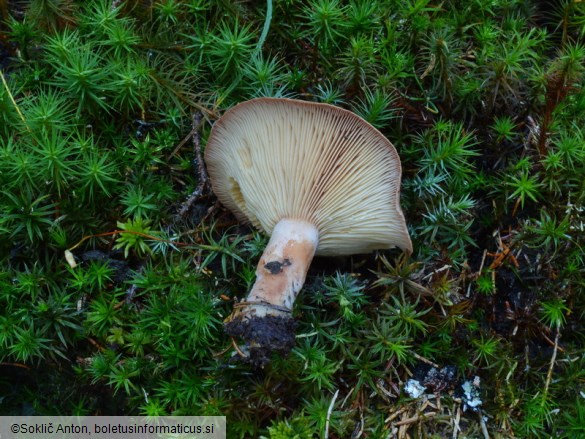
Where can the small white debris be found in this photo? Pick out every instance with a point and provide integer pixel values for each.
(81, 303)
(471, 397)
(70, 259)
(414, 388)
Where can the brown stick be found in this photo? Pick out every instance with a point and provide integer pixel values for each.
(22, 366)
(198, 164)
(416, 418)
(551, 365)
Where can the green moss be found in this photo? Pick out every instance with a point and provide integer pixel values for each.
(101, 109)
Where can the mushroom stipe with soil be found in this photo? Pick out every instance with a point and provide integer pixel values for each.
(320, 181)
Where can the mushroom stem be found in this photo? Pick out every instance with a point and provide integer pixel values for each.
(282, 269)
(264, 318)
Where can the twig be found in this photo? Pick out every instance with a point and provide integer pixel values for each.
(478, 274)
(395, 414)
(346, 397)
(238, 350)
(199, 165)
(129, 232)
(416, 418)
(482, 262)
(223, 351)
(554, 344)
(145, 394)
(96, 344)
(359, 433)
(22, 366)
(425, 360)
(181, 144)
(456, 423)
(551, 365)
(120, 304)
(329, 410)
(13, 100)
(197, 147)
(484, 429)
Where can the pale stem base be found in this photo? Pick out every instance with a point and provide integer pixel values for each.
(281, 271)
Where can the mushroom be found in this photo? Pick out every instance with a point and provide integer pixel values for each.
(319, 180)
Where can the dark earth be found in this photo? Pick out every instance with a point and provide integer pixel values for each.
(263, 337)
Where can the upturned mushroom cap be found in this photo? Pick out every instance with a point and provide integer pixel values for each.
(270, 159)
